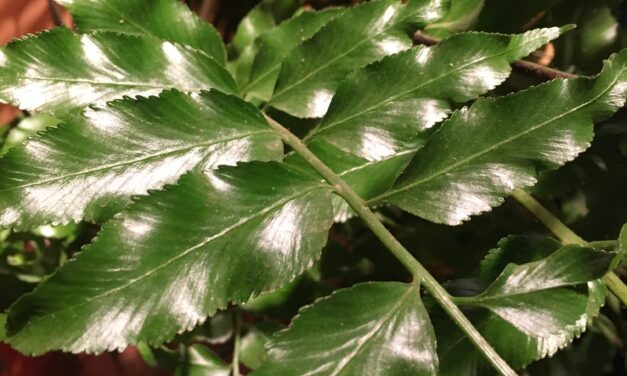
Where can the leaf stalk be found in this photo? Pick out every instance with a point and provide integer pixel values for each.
(420, 274)
(603, 244)
(237, 329)
(566, 236)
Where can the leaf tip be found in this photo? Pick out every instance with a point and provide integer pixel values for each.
(567, 28)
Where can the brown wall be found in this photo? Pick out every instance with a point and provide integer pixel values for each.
(18, 18)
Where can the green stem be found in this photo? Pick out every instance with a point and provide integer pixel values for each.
(616, 286)
(237, 328)
(551, 222)
(566, 236)
(464, 300)
(419, 273)
(603, 244)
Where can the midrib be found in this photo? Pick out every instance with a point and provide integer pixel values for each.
(490, 149)
(323, 128)
(180, 255)
(136, 160)
(307, 76)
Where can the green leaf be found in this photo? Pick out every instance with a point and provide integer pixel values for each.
(26, 128)
(260, 20)
(201, 361)
(311, 73)
(147, 354)
(482, 153)
(598, 34)
(257, 22)
(380, 109)
(245, 44)
(169, 20)
(515, 249)
(357, 172)
(89, 167)
(377, 328)
(526, 295)
(186, 360)
(218, 330)
(240, 68)
(591, 355)
(252, 345)
(56, 232)
(461, 16)
(380, 114)
(622, 242)
(277, 44)
(57, 70)
(12, 286)
(175, 257)
(531, 310)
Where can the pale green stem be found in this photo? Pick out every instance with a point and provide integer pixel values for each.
(603, 244)
(464, 300)
(420, 274)
(551, 222)
(237, 329)
(616, 286)
(566, 236)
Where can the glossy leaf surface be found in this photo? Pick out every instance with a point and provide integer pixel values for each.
(89, 167)
(201, 361)
(461, 15)
(186, 359)
(169, 20)
(257, 22)
(262, 18)
(177, 256)
(58, 71)
(380, 109)
(483, 152)
(531, 310)
(243, 47)
(378, 117)
(357, 172)
(311, 73)
(370, 329)
(277, 44)
(525, 295)
(245, 44)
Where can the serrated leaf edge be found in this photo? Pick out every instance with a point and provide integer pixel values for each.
(139, 199)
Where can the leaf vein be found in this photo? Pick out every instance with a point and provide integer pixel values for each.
(136, 160)
(189, 250)
(491, 148)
